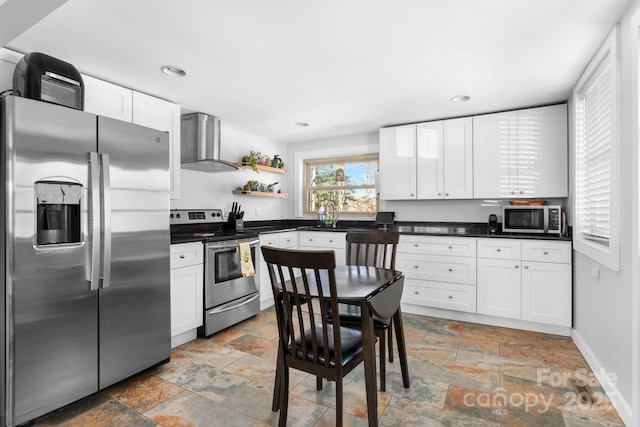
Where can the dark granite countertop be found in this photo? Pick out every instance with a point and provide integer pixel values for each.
(457, 229)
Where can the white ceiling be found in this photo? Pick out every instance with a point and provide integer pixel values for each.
(344, 66)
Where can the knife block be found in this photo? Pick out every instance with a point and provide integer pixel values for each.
(234, 224)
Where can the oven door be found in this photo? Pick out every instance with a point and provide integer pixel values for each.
(223, 276)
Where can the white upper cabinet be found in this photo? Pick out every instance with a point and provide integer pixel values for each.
(108, 100)
(162, 115)
(431, 160)
(521, 153)
(398, 162)
(458, 158)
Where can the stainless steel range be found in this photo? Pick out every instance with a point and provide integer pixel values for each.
(229, 297)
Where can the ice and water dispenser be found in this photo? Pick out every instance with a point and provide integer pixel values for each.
(58, 212)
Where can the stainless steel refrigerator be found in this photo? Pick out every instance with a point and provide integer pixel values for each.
(85, 254)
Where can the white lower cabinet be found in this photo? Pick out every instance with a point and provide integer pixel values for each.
(439, 272)
(187, 281)
(525, 279)
(287, 240)
(546, 293)
(335, 240)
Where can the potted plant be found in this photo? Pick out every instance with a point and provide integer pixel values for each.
(277, 162)
(251, 185)
(252, 159)
(271, 187)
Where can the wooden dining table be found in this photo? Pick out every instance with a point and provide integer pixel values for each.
(376, 291)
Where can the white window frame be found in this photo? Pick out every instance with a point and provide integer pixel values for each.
(603, 252)
(298, 172)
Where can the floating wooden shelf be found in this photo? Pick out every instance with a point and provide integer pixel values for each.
(259, 193)
(260, 168)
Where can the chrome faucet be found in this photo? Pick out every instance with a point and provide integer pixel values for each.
(334, 215)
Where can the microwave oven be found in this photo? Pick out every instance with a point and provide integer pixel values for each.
(532, 219)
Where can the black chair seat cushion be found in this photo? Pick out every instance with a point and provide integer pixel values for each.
(353, 321)
(351, 343)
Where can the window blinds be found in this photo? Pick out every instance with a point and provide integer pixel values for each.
(594, 124)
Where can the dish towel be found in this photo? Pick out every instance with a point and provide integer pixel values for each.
(246, 263)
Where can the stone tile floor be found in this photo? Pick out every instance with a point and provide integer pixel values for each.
(462, 374)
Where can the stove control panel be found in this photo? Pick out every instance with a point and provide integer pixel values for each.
(193, 216)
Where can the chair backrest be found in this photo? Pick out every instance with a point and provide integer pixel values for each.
(372, 248)
(304, 291)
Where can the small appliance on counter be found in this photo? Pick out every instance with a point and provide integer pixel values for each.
(492, 226)
(541, 219)
(385, 219)
(45, 78)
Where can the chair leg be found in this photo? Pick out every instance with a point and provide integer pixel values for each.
(318, 382)
(390, 339)
(284, 398)
(383, 371)
(275, 404)
(339, 407)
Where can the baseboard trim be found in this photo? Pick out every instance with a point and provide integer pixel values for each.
(621, 405)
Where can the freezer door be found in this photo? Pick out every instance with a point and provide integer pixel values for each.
(135, 317)
(50, 333)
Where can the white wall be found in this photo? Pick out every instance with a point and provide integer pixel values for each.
(603, 307)
(205, 190)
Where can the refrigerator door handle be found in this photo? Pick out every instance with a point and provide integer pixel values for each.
(106, 215)
(95, 220)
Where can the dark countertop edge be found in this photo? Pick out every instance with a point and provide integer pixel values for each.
(470, 229)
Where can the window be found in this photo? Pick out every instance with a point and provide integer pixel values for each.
(596, 132)
(348, 182)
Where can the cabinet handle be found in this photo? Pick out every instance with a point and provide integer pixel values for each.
(439, 194)
(450, 247)
(311, 240)
(517, 266)
(513, 192)
(451, 269)
(446, 194)
(521, 191)
(450, 296)
(330, 241)
(415, 244)
(182, 257)
(412, 195)
(526, 267)
(498, 250)
(546, 252)
(415, 266)
(416, 292)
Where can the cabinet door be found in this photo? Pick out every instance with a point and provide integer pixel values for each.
(398, 163)
(494, 152)
(162, 115)
(542, 152)
(186, 298)
(499, 288)
(546, 293)
(430, 160)
(266, 294)
(106, 99)
(336, 241)
(458, 158)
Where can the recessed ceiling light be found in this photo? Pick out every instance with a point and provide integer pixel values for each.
(460, 98)
(302, 124)
(173, 71)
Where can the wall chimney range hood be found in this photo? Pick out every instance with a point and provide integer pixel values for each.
(200, 145)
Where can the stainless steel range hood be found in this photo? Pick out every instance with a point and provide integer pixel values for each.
(200, 145)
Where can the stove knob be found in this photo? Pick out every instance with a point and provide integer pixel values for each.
(217, 213)
(177, 215)
(171, 216)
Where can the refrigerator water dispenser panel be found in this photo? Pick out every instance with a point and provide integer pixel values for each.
(58, 208)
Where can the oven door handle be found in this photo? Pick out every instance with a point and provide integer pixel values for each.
(216, 247)
(234, 304)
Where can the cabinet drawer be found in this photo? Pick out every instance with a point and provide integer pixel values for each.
(288, 239)
(545, 251)
(439, 268)
(184, 254)
(457, 246)
(320, 240)
(449, 296)
(499, 249)
(269, 240)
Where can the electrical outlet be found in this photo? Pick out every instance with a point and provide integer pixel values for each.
(595, 272)
(257, 211)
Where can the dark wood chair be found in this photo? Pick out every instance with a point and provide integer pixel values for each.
(308, 337)
(374, 249)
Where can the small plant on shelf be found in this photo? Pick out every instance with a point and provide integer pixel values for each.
(252, 159)
(278, 163)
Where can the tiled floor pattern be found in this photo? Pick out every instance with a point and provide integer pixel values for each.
(462, 374)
